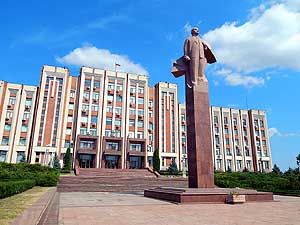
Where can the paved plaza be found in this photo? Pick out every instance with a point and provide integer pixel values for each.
(132, 208)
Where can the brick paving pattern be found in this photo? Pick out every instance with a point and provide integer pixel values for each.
(121, 208)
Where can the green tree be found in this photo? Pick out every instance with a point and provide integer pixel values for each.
(298, 161)
(156, 160)
(276, 169)
(56, 163)
(67, 160)
(173, 169)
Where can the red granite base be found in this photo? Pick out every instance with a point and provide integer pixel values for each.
(205, 195)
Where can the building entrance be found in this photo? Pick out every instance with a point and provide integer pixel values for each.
(86, 161)
(135, 162)
(111, 161)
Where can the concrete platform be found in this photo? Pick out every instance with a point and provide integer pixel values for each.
(205, 195)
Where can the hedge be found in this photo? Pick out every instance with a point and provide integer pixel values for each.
(42, 175)
(9, 188)
(277, 183)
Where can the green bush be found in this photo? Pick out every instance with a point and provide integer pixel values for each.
(272, 182)
(156, 160)
(67, 160)
(42, 175)
(9, 188)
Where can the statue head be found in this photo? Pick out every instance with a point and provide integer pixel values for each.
(195, 31)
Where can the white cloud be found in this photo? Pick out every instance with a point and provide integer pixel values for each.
(236, 79)
(187, 28)
(270, 39)
(274, 131)
(105, 22)
(100, 58)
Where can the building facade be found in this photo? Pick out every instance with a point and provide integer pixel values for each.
(112, 119)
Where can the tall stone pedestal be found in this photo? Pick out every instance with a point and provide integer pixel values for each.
(199, 144)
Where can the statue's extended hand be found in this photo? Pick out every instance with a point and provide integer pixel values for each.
(187, 58)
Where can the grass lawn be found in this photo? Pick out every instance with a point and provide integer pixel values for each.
(13, 206)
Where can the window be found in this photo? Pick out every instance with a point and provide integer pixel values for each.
(234, 121)
(96, 95)
(263, 134)
(12, 100)
(94, 119)
(108, 121)
(119, 98)
(5, 141)
(68, 131)
(107, 133)
(141, 90)
(97, 83)
(85, 107)
(228, 152)
(265, 153)
(217, 140)
(150, 125)
(132, 100)
(219, 162)
(140, 123)
(141, 112)
(237, 142)
(86, 94)
(140, 135)
(226, 130)
(132, 89)
(93, 131)
(83, 130)
(150, 103)
(131, 122)
(112, 146)
(264, 143)
(72, 94)
(225, 120)
(116, 133)
(118, 110)
(87, 144)
(118, 122)
(110, 98)
(119, 87)
(7, 127)
(228, 164)
(28, 102)
(37, 157)
(218, 151)
(261, 123)
(67, 144)
(141, 101)
(26, 115)
(238, 152)
(150, 114)
(236, 132)
(227, 141)
(248, 164)
(135, 147)
(244, 122)
(24, 128)
(2, 156)
(132, 111)
(20, 157)
(239, 164)
(22, 141)
(87, 83)
(9, 114)
(84, 119)
(110, 86)
(109, 109)
(259, 153)
(95, 108)
(216, 130)
(215, 119)
(71, 106)
(247, 152)
(70, 119)
(256, 123)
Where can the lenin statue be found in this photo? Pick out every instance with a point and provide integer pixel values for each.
(197, 53)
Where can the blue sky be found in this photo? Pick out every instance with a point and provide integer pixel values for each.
(257, 45)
